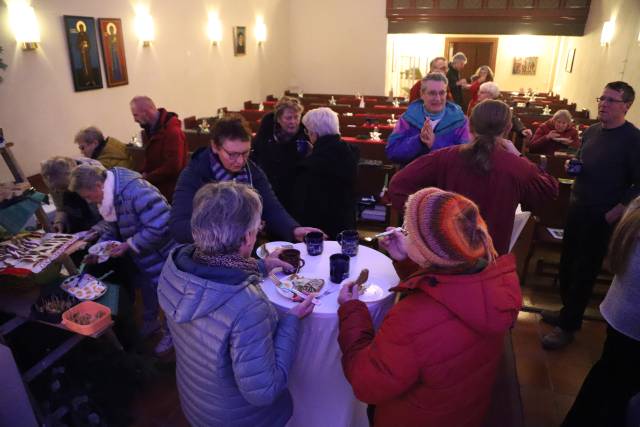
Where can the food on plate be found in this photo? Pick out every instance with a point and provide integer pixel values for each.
(84, 287)
(304, 284)
(362, 279)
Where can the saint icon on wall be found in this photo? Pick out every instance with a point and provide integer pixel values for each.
(83, 52)
(239, 41)
(114, 60)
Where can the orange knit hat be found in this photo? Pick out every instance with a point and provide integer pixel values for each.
(446, 232)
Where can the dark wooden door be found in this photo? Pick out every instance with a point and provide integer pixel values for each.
(479, 51)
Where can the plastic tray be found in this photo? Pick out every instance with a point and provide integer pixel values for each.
(92, 308)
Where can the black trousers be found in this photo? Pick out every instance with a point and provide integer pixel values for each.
(607, 389)
(584, 246)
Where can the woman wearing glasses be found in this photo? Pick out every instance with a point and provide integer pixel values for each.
(430, 123)
(227, 159)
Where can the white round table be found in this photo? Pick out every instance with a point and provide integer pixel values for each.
(321, 394)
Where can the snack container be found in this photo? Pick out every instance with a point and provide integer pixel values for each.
(91, 308)
(51, 317)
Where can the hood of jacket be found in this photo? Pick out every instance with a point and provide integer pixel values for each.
(487, 302)
(194, 290)
(122, 178)
(453, 116)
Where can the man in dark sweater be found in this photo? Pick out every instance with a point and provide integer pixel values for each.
(609, 180)
(456, 65)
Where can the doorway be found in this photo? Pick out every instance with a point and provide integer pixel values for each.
(479, 51)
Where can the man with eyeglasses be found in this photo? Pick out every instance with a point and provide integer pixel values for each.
(227, 159)
(608, 180)
(429, 123)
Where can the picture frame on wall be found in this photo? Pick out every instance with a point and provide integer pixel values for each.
(113, 57)
(525, 65)
(83, 52)
(568, 66)
(239, 41)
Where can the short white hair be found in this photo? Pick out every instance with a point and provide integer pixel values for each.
(492, 88)
(223, 212)
(322, 121)
(459, 57)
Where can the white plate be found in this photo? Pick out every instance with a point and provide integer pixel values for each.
(90, 288)
(101, 249)
(373, 293)
(289, 295)
(272, 246)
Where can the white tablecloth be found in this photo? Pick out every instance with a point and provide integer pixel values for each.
(321, 395)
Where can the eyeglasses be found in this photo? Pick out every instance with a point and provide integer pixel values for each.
(609, 99)
(236, 156)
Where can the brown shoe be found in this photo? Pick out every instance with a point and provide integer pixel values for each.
(557, 339)
(551, 317)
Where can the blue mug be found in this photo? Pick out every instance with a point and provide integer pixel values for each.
(338, 267)
(575, 167)
(349, 241)
(315, 243)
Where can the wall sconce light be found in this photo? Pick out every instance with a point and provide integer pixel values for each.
(144, 26)
(261, 31)
(607, 33)
(24, 24)
(214, 29)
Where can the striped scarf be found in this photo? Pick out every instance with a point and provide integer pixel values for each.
(221, 174)
(248, 265)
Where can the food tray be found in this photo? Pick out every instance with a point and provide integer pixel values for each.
(91, 308)
(103, 249)
(89, 290)
(50, 317)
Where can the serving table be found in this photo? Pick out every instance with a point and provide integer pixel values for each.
(321, 394)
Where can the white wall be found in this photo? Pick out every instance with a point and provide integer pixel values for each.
(40, 111)
(338, 46)
(433, 45)
(594, 65)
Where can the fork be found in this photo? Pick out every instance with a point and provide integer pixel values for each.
(327, 292)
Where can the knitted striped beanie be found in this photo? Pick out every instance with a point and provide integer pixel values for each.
(446, 232)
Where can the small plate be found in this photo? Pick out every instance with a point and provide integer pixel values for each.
(373, 293)
(90, 288)
(102, 249)
(290, 295)
(270, 247)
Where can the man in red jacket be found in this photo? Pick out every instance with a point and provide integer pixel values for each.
(433, 361)
(165, 147)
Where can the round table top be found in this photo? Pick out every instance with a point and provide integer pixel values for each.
(381, 273)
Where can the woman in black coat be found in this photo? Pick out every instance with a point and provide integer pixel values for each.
(279, 146)
(325, 181)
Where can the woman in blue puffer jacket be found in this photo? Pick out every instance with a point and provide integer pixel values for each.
(138, 216)
(233, 352)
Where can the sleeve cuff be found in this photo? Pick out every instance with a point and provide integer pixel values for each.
(133, 245)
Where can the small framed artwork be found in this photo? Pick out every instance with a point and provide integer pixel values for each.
(83, 52)
(525, 65)
(113, 58)
(239, 41)
(571, 54)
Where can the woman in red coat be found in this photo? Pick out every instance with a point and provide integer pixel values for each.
(433, 361)
(556, 134)
(483, 74)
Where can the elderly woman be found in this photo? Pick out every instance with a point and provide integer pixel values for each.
(485, 170)
(227, 159)
(138, 215)
(325, 181)
(433, 361)
(233, 352)
(73, 213)
(280, 145)
(556, 134)
(490, 90)
(107, 150)
(483, 74)
(430, 123)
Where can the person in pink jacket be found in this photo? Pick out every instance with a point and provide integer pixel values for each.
(433, 361)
